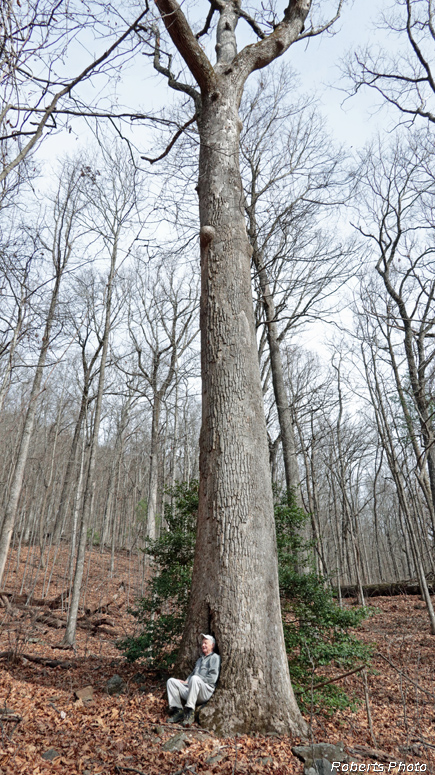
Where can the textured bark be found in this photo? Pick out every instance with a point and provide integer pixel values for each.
(235, 584)
(235, 594)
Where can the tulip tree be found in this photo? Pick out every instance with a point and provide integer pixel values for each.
(235, 592)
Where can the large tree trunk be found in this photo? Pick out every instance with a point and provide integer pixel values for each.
(235, 591)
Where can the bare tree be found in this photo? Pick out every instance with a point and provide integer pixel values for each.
(235, 584)
(19, 260)
(112, 202)
(402, 74)
(291, 175)
(37, 96)
(61, 238)
(386, 424)
(162, 326)
(85, 329)
(396, 218)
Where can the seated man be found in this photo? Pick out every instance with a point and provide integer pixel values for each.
(198, 687)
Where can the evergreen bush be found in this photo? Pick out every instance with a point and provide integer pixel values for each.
(161, 613)
(316, 630)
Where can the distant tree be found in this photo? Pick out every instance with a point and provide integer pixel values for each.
(162, 324)
(112, 197)
(402, 74)
(292, 174)
(395, 204)
(58, 241)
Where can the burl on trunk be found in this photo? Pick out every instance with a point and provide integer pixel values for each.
(235, 594)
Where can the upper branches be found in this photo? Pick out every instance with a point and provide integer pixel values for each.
(273, 41)
(404, 76)
(166, 71)
(186, 43)
(38, 40)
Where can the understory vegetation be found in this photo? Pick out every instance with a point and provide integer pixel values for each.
(317, 631)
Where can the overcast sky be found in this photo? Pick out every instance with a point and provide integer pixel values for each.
(352, 121)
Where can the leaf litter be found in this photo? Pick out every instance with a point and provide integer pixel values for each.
(46, 726)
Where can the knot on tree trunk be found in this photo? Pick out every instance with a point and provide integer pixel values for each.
(206, 235)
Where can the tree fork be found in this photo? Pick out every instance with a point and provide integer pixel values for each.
(235, 592)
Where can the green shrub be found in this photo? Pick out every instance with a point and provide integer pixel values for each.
(93, 537)
(162, 612)
(316, 630)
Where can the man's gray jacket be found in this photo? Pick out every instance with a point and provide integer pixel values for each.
(207, 668)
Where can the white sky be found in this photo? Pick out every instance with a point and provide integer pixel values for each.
(352, 121)
(317, 60)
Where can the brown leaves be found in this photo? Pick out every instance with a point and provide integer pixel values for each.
(113, 735)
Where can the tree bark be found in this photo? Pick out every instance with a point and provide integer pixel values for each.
(235, 559)
(235, 594)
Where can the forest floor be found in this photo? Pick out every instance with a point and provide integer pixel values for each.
(47, 728)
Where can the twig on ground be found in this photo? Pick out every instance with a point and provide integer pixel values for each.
(6, 715)
(424, 742)
(338, 677)
(358, 750)
(369, 715)
(118, 768)
(404, 675)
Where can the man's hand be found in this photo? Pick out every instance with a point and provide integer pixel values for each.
(185, 683)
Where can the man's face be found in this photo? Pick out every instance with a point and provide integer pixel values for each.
(206, 647)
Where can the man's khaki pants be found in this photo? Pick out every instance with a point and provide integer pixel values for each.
(195, 691)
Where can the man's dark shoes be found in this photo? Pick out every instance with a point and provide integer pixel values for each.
(189, 717)
(175, 715)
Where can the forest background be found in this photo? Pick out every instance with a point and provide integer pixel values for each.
(99, 350)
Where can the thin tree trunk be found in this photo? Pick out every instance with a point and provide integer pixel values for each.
(154, 469)
(12, 347)
(18, 474)
(70, 633)
(288, 440)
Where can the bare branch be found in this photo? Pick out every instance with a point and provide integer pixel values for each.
(66, 90)
(172, 143)
(166, 71)
(252, 23)
(324, 27)
(186, 43)
(208, 21)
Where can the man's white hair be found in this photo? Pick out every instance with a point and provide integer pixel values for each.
(208, 637)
